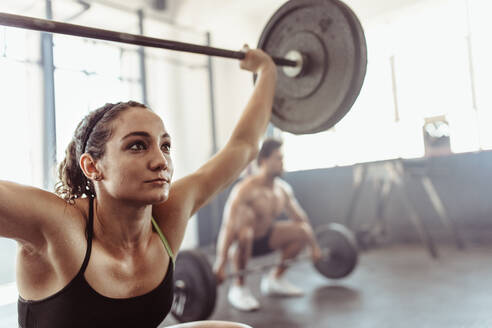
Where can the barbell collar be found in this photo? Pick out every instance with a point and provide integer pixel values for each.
(300, 59)
(45, 25)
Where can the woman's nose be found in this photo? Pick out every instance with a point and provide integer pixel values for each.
(159, 161)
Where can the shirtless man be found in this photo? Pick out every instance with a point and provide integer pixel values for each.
(249, 224)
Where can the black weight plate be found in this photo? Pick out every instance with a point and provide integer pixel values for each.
(329, 34)
(358, 78)
(192, 269)
(211, 283)
(343, 256)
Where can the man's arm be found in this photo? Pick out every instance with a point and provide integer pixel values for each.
(292, 208)
(295, 212)
(236, 214)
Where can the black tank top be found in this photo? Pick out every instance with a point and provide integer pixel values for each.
(78, 305)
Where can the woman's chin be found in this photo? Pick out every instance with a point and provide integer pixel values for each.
(159, 199)
(147, 199)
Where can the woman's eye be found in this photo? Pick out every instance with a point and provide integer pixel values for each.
(166, 147)
(137, 146)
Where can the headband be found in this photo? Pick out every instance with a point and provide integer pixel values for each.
(96, 120)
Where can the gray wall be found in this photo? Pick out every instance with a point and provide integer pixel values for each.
(463, 182)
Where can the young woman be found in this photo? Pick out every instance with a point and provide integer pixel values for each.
(100, 252)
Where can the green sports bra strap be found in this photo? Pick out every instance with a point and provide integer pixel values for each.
(164, 240)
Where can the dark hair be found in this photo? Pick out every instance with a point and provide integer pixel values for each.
(90, 136)
(267, 148)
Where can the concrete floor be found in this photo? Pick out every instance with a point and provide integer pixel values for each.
(399, 286)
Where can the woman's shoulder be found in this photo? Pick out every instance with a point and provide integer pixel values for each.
(81, 208)
(67, 222)
(31, 214)
(47, 266)
(69, 214)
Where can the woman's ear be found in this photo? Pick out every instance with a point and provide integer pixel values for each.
(88, 166)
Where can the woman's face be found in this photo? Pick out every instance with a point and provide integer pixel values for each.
(137, 163)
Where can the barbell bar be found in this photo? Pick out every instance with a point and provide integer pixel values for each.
(56, 27)
(325, 254)
(318, 45)
(195, 284)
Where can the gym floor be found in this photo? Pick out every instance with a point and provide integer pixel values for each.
(397, 286)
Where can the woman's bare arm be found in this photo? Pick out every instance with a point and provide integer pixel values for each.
(28, 214)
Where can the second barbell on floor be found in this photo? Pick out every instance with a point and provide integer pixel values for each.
(195, 285)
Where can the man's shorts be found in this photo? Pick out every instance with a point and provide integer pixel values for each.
(261, 245)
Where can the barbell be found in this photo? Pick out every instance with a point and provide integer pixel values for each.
(195, 285)
(318, 45)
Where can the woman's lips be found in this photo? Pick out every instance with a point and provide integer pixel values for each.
(159, 181)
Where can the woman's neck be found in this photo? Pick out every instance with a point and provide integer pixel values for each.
(121, 225)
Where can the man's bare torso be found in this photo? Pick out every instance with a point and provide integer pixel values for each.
(261, 203)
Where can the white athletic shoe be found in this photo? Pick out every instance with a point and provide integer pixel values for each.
(273, 286)
(241, 298)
